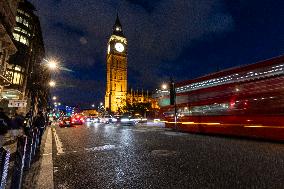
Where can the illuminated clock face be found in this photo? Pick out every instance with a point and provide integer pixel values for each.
(119, 47)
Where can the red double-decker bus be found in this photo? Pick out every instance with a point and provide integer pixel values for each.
(243, 101)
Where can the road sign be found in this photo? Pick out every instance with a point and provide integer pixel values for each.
(17, 103)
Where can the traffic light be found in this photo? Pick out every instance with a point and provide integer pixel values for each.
(172, 93)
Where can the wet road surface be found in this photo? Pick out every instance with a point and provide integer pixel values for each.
(112, 156)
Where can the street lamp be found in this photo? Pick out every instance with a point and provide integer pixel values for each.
(52, 83)
(54, 98)
(93, 105)
(164, 86)
(51, 64)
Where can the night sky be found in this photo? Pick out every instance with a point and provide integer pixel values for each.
(182, 39)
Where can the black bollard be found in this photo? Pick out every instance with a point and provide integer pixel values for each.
(29, 151)
(4, 166)
(19, 163)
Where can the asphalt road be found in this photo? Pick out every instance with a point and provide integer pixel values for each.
(111, 156)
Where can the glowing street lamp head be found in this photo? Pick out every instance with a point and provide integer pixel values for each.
(164, 86)
(52, 64)
(52, 83)
(54, 98)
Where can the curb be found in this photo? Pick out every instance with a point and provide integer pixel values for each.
(45, 179)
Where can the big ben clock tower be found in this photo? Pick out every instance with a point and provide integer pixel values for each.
(116, 89)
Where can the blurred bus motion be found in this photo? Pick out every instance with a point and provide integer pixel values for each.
(242, 101)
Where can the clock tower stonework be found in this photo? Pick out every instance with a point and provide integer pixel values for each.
(116, 88)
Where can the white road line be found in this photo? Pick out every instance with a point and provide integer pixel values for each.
(45, 179)
(101, 148)
(59, 146)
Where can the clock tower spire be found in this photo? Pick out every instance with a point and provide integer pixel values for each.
(117, 27)
(116, 59)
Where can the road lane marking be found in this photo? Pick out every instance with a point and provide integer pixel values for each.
(58, 143)
(101, 148)
(163, 152)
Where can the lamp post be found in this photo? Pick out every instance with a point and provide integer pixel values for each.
(173, 98)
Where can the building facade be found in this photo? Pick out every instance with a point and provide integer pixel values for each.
(29, 77)
(116, 88)
(136, 96)
(8, 10)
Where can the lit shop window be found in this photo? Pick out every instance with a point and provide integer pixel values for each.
(16, 78)
(17, 75)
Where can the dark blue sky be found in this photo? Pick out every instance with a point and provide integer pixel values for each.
(182, 39)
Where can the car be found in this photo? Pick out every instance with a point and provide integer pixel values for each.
(92, 119)
(77, 120)
(132, 119)
(128, 120)
(65, 122)
(108, 119)
(139, 118)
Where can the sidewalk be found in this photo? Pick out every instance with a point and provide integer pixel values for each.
(40, 175)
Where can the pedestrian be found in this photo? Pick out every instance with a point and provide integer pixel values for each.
(39, 123)
(5, 124)
(17, 125)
